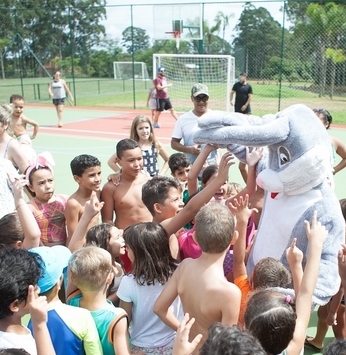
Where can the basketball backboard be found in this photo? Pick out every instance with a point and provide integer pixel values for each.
(182, 21)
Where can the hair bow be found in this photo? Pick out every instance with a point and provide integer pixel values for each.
(43, 160)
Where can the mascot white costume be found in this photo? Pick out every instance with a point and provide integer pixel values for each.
(296, 177)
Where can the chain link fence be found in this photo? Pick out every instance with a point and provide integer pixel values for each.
(292, 51)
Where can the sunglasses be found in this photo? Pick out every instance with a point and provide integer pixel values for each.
(201, 98)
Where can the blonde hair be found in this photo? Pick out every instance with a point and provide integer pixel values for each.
(5, 113)
(133, 132)
(90, 267)
(233, 186)
(214, 228)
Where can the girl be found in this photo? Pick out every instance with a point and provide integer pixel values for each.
(338, 147)
(143, 133)
(110, 238)
(57, 90)
(148, 249)
(151, 101)
(272, 317)
(47, 207)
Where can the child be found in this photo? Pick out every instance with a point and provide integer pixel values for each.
(86, 170)
(20, 271)
(19, 121)
(214, 233)
(153, 266)
(180, 167)
(330, 314)
(268, 272)
(91, 272)
(143, 133)
(72, 329)
(162, 196)
(125, 200)
(151, 101)
(19, 229)
(269, 309)
(47, 207)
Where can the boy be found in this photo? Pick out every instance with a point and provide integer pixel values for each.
(19, 121)
(268, 272)
(214, 233)
(86, 170)
(20, 271)
(180, 167)
(91, 272)
(125, 200)
(72, 329)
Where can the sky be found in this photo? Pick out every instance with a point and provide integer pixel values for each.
(119, 17)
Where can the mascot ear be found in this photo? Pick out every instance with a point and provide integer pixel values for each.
(275, 131)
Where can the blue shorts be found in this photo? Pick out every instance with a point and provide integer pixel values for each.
(58, 102)
(163, 104)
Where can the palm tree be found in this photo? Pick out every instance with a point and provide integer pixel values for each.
(224, 20)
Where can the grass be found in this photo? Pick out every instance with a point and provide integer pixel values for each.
(133, 94)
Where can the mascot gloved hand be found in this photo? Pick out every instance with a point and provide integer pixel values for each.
(296, 176)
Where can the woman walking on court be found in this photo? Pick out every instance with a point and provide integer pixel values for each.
(57, 90)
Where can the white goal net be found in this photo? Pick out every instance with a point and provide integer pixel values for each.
(130, 70)
(183, 71)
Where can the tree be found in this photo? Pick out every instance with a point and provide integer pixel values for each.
(336, 56)
(135, 39)
(3, 43)
(258, 39)
(225, 22)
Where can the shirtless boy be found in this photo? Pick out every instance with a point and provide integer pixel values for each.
(19, 121)
(206, 301)
(125, 199)
(86, 170)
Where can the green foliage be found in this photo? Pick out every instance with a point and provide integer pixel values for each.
(135, 39)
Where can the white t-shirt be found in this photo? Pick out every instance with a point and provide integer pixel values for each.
(18, 341)
(185, 128)
(146, 329)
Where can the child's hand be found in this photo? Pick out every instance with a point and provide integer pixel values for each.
(18, 183)
(342, 263)
(38, 306)
(293, 254)
(32, 137)
(240, 208)
(253, 157)
(182, 346)
(226, 161)
(209, 147)
(115, 178)
(316, 233)
(93, 206)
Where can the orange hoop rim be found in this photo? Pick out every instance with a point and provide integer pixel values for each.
(176, 34)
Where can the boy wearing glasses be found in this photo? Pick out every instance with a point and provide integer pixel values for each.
(186, 126)
(162, 100)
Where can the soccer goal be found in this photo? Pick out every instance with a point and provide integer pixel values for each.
(130, 70)
(183, 71)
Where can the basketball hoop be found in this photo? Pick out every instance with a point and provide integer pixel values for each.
(176, 35)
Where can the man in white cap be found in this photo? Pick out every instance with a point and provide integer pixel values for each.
(186, 125)
(162, 100)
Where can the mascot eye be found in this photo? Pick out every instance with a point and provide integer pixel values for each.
(284, 156)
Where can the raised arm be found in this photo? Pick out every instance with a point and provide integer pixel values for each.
(316, 234)
(31, 230)
(192, 178)
(91, 209)
(165, 156)
(294, 257)
(172, 225)
(113, 164)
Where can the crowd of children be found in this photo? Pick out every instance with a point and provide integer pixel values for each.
(168, 248)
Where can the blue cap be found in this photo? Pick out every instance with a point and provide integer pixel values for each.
(55, 261)
(160, 69)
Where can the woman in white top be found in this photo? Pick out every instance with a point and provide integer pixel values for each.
(57, 90)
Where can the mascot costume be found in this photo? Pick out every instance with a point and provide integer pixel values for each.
(296, 175)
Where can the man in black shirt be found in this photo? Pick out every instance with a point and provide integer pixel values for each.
(243, 95)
